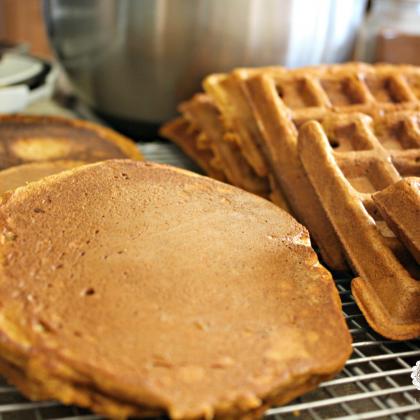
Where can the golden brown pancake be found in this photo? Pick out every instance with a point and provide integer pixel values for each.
(25, 138)
(162, 289)
(18, 176)
(75, 393)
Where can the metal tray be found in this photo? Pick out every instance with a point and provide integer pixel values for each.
(375, 382)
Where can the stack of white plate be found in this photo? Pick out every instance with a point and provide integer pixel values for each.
(24, 79)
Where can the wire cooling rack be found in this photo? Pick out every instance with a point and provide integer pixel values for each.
(375, 382)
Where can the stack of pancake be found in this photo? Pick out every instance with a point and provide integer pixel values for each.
(138, 289)
(364, 121)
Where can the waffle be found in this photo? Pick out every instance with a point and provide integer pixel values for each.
(399, 205)
(308, 92)
(259, 105)
(185, 136)
(280, 139)
(203, 114)
(348, 158)
(28, 138)
(231, 100)
(241, 314)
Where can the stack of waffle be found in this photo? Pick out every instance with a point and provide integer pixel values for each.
(333, 144)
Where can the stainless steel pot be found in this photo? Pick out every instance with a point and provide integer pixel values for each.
(137, 59)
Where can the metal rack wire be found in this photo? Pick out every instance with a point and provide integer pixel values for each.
(375, 382)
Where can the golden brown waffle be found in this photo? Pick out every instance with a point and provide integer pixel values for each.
(262, 108)
(203, 114)
(231, 100)
(399, 205)
(308, 93)
(348, 158)
(280, 140)
(185, 136)
(280, 99)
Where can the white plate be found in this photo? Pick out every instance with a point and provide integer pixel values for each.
(15, 68)
(17, 97)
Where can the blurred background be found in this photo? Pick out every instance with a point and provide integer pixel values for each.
(130, 62)
(23, 22)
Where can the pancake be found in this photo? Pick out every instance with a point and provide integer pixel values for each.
(18, 176)
(160, 289)
(29, 138)
(76, 393)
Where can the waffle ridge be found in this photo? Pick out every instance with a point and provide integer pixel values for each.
(185, 135)
(399, 205)
(201, 112)
(349, 159)
(310, 92)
